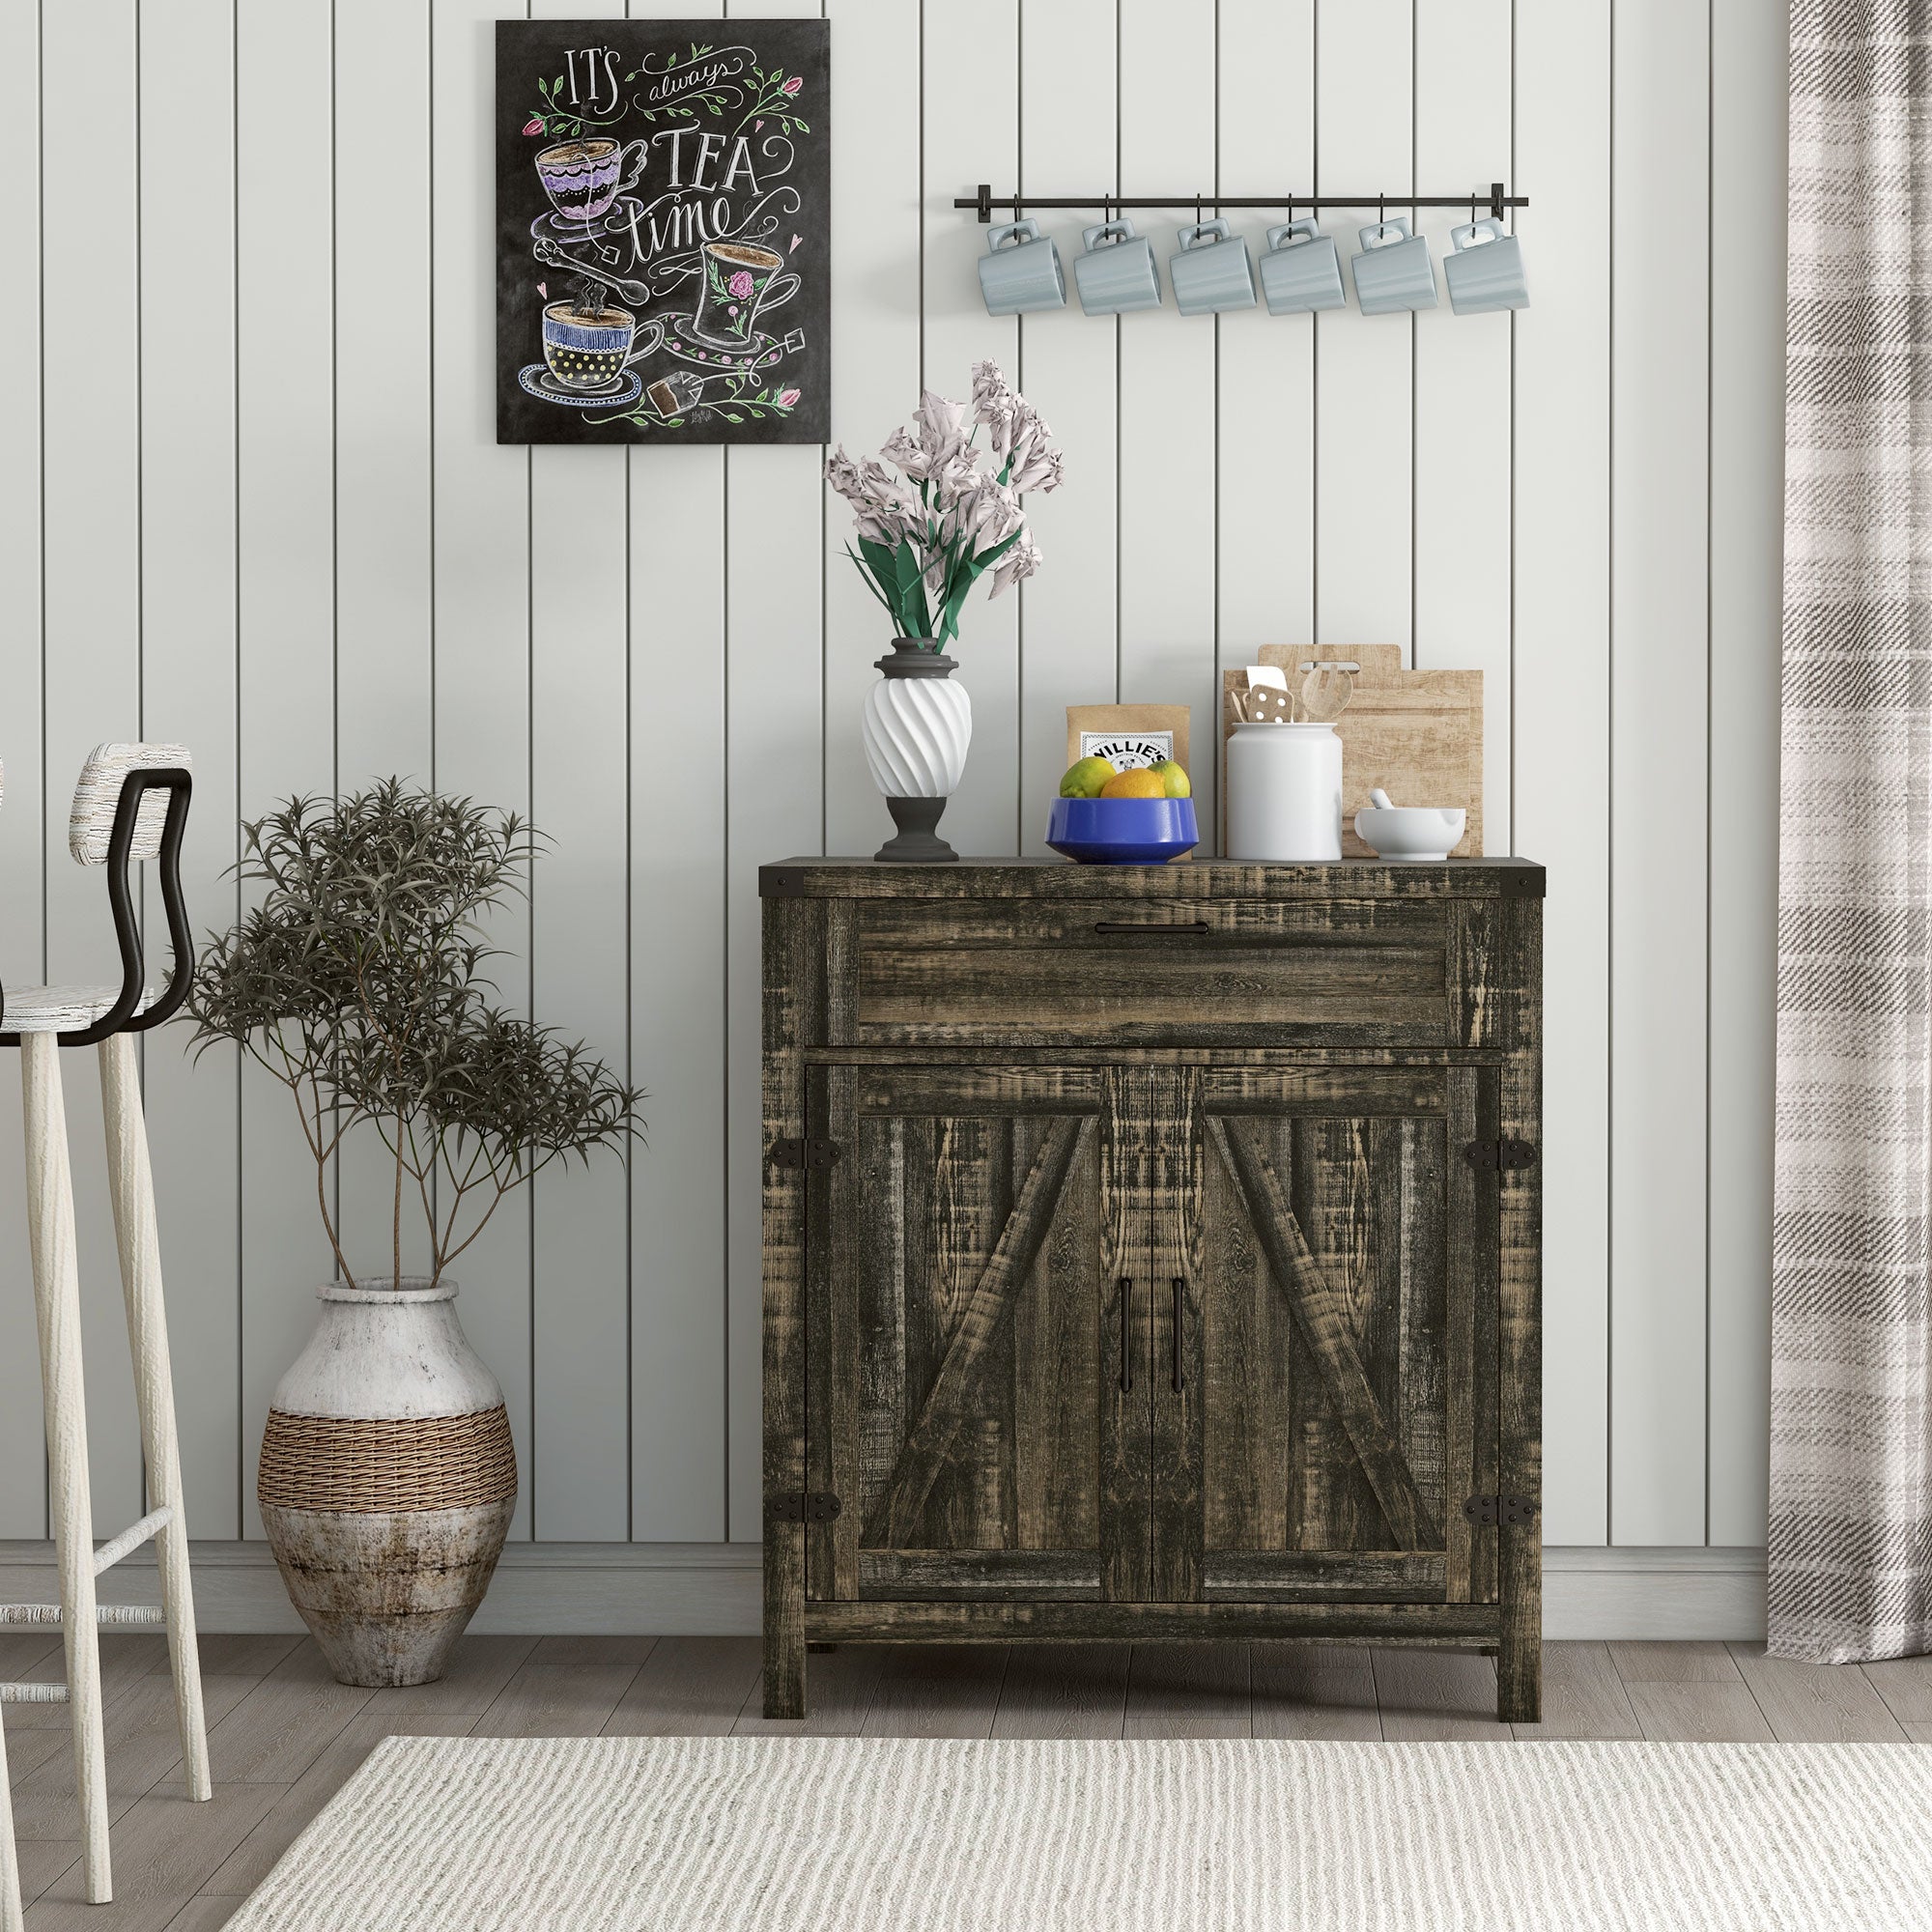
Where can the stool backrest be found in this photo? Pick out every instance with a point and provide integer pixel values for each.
(91, 824)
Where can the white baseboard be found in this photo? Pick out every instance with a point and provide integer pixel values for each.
(670, 1589)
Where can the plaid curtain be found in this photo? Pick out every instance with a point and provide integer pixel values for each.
(1851, 1476)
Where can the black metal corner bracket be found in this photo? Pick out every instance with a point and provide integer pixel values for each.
(984, 201)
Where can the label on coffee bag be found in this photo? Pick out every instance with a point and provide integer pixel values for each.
(663, 258)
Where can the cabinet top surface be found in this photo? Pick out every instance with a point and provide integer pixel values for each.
(1179, 879)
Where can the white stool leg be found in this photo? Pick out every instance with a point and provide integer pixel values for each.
(57, 1304)
(11, 1918)
(131, 1182)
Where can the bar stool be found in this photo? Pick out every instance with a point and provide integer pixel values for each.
(131, 804)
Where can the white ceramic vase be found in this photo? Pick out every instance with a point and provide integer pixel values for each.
(916, 725)
(387, 1479)
(1284, 792)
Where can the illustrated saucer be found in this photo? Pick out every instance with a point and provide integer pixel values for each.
(559, 228)
(537, 380)
(757, 352)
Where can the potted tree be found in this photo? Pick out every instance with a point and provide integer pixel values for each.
(356, 979)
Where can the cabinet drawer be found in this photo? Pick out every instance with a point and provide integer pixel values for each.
(1312, 972)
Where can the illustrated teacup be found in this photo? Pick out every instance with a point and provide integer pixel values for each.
(739, 279)
(587, 353)
(584, 177)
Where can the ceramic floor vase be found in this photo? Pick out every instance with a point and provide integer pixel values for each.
(917, 725)
(388, 1480)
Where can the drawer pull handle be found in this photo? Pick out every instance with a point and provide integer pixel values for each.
(1177, 1330)
(1126, 1339)
(1192, 928)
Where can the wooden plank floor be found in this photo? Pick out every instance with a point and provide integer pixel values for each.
(284, 1736)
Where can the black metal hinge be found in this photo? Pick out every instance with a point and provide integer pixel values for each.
(804, 1154)
(802, 1506)
(1499, 1156)
(1516, 1512)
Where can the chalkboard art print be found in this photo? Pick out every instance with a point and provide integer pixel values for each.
(662, 240)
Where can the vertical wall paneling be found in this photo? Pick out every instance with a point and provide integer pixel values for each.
(969, 123)
(1364, 365)
(382, 302)
(286, 604)
(1266, 477)
(678, 986)
(1462, 407)
(23, 793)
(775, 586)
(92, 510)
(188, 688)
(580, 966)
(1560, 696)
(875, 376)
(1747, 149)
(1168, 377)
(1068, 366)
(1659, 584)
(280, 528)
(482, 724)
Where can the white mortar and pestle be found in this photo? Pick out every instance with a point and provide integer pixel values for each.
(1406, 832)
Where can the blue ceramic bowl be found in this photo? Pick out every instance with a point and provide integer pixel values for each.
(1123, 830)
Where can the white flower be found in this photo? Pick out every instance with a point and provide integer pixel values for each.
(842, 474)
(901, 449)
(1039, 468)
(1018, 565)
(992, 399)
(942, 425)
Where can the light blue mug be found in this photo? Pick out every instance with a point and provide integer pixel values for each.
(1116, 273)
(1393, 273)
(1212, 270)
(1301, 271)
(1020, 270)
(1484, 268)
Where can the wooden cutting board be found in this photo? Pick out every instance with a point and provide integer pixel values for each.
(1418, 735)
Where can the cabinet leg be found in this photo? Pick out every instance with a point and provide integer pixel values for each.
(784, 1672)
(1520, 1677)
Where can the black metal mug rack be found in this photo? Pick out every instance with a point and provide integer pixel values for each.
(987, 201)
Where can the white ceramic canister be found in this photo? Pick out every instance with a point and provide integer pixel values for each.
(1284, 792)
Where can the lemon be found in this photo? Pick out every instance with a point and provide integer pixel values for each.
(1173, 777)
(1141, 782)
(1085, 778)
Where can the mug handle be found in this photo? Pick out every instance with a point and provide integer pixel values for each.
(1377, 234)
(628, 177)
(1304, 230)
(1218, 228)
(1464, 237)
(1003, 231)
(1108, 233)
(790, 284)
(655, 330)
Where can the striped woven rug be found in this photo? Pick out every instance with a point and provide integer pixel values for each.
(704, 1835)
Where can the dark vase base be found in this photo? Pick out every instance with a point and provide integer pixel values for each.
(916, 842)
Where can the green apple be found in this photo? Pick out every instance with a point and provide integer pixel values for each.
(1085, 778)
(1174, 778)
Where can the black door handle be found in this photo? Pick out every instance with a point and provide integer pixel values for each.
(1192, 927)
(1177, 1333)
(1126, 1344)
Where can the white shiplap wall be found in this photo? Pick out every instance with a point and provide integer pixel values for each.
(259, 508)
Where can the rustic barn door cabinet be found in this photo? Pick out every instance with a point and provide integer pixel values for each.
(1151, 1252)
